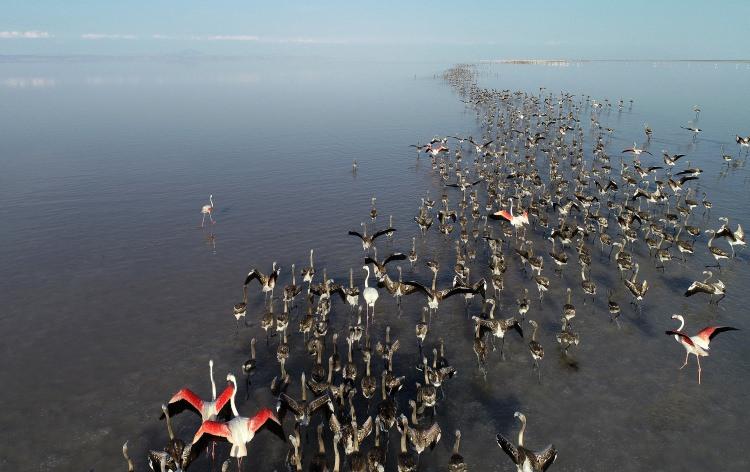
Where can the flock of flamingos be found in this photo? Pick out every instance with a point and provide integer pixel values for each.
(533, 195)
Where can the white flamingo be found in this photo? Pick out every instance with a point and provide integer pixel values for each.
(370, 294)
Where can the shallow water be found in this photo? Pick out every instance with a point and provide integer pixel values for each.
(113, 297)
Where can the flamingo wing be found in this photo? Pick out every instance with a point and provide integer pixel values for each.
(697, 287)
(254, 274)
(364, 430)
(684, 337)
(545, 458)
(382, 232)
(213, 428)
(261, 418)
(419, 287)
(355, 233)
(319, 402)
(224, 397)
(443, 294)
(396, 256)
(509, 448)
(710, 332)
(505, 214)
(185, 398)
(290, 403)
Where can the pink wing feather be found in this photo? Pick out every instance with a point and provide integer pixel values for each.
(214, 428)
(190, 397)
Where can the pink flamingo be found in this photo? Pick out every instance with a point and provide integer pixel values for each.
(208, 210)
(240, 430)
(516, 221)
(698, 344)
(208, 410)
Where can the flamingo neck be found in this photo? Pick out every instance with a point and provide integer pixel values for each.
(170, 432)
(213, 384)
(523, 426)
(336, 459)
(321, 444)
(231, 399)
(403, 441)
(682, 323)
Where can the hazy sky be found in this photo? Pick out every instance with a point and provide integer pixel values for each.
(455, 30)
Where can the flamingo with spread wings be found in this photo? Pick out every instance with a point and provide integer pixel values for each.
(239, 431)
(516, 221)
(207, 409)
(698, 344)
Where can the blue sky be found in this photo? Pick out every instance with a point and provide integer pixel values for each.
(431, 30)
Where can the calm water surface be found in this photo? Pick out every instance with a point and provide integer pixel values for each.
(113, 297)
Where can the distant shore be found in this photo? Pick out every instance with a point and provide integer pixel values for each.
(576, 61)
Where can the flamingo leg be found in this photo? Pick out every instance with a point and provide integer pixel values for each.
(699, 368)
(687, 354)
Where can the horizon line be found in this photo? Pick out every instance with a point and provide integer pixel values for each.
(195, 54)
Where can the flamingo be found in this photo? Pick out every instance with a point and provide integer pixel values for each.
(636, 151)
(267, 282)
(370, 294)
(527, 460)
(240, 430)
(208, 410)
(208, 210)
(517, 221)
(698, 344)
